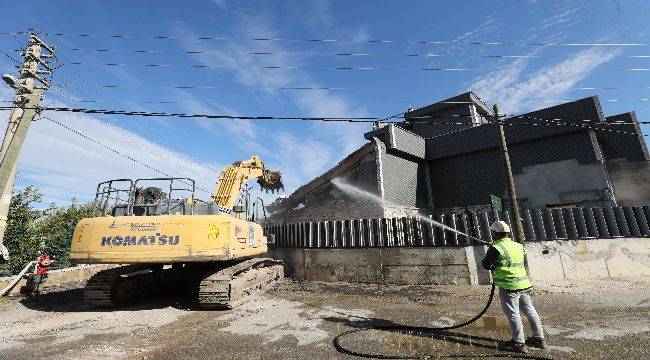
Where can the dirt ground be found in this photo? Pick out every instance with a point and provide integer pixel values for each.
(598, 319)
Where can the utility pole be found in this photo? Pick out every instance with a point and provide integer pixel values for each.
(514, 205)
(25, 107)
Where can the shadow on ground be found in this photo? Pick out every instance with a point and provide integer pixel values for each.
(71, 300)
(455, 338)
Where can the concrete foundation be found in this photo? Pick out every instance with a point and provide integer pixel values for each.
(63, 276)
(548, 261)
(551, 260)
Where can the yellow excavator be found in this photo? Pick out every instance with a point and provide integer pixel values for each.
(170, 237)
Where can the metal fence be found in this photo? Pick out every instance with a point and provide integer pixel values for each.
(539, 225)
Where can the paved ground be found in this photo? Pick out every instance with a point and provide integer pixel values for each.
(596, 320)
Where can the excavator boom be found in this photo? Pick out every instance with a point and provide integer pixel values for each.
(233, 177)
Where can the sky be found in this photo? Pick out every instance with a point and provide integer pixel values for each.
(492, 48)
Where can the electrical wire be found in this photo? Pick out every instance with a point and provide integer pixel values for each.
(186, 87)
(297, 118)
(144, 146)
(233, 117)
(293, 67)
(317, 54)
(115, 151)
(276, 67)
(328, 40)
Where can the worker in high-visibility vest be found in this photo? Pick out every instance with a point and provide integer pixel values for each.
(506, 259)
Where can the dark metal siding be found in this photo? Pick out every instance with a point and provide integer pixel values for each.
(624, 141)
(469, 179)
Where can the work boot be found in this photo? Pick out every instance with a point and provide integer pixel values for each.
(536, 342)
(513, 346)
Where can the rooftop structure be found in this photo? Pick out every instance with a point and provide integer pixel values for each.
(446, 155)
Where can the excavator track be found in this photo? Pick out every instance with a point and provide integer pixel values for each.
(228, 287)
(117, 286)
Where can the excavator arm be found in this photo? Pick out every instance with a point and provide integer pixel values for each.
(233, 177)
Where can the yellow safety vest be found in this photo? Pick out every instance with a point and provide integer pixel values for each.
(511, 273)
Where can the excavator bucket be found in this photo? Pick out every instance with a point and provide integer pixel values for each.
(270, 180)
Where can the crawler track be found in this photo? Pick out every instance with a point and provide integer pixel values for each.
(118, 286)
(226, 288)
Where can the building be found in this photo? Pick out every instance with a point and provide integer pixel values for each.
(446, 155)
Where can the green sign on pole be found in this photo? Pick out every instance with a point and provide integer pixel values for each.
(496, 205)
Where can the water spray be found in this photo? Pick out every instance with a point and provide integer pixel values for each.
(355, 191)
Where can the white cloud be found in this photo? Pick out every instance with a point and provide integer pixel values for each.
(65, 165)
(562, 19)
(516, 92)
(320, 12)
(221, 3)
(310, 156)
(484, 27)
(328, 143)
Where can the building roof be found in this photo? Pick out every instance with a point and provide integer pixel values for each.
(461, 99)
(549, 122)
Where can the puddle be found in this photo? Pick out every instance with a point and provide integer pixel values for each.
(491, 323)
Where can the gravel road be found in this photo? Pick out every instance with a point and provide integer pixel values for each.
(597, 319)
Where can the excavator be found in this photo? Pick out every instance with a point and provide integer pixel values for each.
(167, 236)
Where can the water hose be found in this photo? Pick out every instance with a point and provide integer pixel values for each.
(422, 329)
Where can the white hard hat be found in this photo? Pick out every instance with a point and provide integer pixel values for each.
(500, 227)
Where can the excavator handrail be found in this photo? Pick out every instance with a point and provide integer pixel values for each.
(110, 190)
(171, 189)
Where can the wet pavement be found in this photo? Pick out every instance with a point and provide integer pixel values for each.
(598, 319)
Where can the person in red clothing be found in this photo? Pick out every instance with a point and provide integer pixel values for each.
(40, 271)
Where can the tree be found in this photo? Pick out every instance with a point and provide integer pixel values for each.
(56, 225)
(20, 238)
(31, 231)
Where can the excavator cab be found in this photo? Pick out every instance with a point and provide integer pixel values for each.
(119, 197)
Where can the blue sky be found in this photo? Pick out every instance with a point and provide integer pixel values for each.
(64, 165)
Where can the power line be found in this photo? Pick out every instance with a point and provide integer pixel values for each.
(207, 116)
(296, 118)
(306, 118)
(330, 40)
(191, 87)
(114, 150)
(318, 54)
(141, 144)
(186, 87)
(274, 67)
(164, 101)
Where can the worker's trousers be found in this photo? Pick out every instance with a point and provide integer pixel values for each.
(511, 302)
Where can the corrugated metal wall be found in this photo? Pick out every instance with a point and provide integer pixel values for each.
(539, 225)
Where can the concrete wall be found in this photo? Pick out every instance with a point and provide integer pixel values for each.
(630, 181)
(584, 259)
(548, 261)
(443, 265)
(562, 182)
(63, 276)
